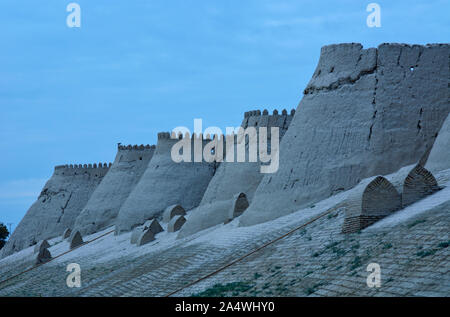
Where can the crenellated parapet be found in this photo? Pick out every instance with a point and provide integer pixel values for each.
(83, 166)
(133, 153)
(258, 118)
(163, 135)
(265, 112)
(176, 137)
(135, 147)
(97, 170)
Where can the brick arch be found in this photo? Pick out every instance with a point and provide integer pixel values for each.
(418, 184)
(379, 198)
(370, 201)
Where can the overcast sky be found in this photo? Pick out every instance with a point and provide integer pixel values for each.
(134, 68)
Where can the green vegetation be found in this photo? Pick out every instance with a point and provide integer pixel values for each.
(331, 245)
(4, 233)
(424, 253)
(313, 289)
(275, 269)
(357, 262)
(339, 252)
(309, 290)
(281, 289)
(220, 290)
(412, 224)
(332, 215)
(431, 251)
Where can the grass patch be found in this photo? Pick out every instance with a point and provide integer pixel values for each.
(425, 253)
(309, 290)
(444, 244)
(281, 289)
(313, 289)
(331, 245)
(387, 245)
(275, 269)
(332, 215)
(220, 290)
(357, 262)
(339, 252)
(415, 223)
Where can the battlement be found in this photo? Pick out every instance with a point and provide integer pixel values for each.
(265, 112)
(180, 136)
(78, 166)
(97, 170)
(135, 147)
(256, 118)
(163, 135)
(209, 137)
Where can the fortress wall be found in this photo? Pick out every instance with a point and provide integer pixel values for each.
(365, 112)
(232, 178)
(58, 205)
(439, 157)
(165, 183)
(104, 205)
(235, 177)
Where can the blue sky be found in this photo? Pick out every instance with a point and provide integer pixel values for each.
(135, 68)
